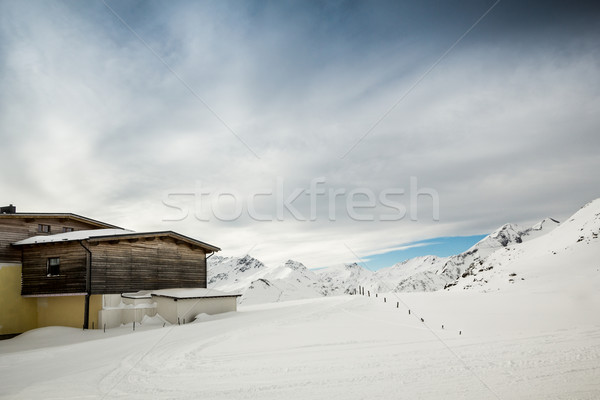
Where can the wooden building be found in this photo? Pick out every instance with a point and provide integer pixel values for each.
(61, 263)
(18, 226)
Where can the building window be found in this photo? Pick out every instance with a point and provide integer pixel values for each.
(44, 228)
(53, 266)
(67, 229)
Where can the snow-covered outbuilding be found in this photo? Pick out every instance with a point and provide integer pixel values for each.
(183, 305)
(176, 306)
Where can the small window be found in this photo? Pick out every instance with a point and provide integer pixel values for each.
(67, 229)
(44, 228)
(53, 266)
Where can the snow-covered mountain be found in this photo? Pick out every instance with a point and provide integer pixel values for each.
(344, 279)
(419, 274)
(475, 268)
(261, 284)
(508, 234)
(569, 254)
(289, 281)
(430, 273)
(231, 274)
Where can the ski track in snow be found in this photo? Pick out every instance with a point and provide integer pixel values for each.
(339, 347)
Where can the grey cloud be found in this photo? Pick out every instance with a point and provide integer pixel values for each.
(503, 129)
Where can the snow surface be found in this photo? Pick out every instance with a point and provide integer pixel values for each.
(511, 346)
(191, 293)
(141, 294)
(75, 235)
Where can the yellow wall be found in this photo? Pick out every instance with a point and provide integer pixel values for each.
(67, 311)
(17, 314)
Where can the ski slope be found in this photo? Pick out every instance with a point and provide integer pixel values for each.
(511, 346)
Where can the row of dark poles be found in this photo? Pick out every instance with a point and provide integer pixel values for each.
(361, 291)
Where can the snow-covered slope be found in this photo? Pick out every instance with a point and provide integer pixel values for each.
(492, 346)
(568, 254)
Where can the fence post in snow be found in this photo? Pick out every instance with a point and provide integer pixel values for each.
(104, 327)
(409, 312)
(369, 293)
(397, 304)
(376, 294)
(134, 325)
(384, 300)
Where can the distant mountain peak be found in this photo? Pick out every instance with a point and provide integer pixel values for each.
(295, 265)
(424, 259)
(545, 222)
(352, 266)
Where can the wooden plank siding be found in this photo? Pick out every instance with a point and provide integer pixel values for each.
(72, 269)
(161, 263)
(14, 228)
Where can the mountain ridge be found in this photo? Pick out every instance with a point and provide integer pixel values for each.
(292, 280)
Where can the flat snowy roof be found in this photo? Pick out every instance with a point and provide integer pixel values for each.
(142, 294)
(194, 293)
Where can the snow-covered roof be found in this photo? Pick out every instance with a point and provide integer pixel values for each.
(193, 293)
(71, 236)
(109, 234)
(142, 294)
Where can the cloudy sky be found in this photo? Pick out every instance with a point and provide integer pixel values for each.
(406, 120)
